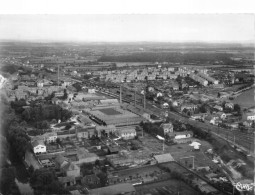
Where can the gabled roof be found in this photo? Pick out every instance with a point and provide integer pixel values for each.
(37, 143)
(92, 177)
(60, 159)
(70, 167)
(166, 125)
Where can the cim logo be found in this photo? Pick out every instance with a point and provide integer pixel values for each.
(244, 186)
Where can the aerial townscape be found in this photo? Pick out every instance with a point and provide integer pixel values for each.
(126, 118)
(127, 104)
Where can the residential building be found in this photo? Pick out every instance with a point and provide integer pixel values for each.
(85, 132)
(126, 133)
(208, 78)
(91, 180)
(229, 105)
(38, 147)
(249, 116)
(167, 127)
(50, 137)
(71, 169)
(219, 108)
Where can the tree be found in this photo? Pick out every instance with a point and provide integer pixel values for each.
(237, 108)
(44, 181)
(45, 124)
(103, 178)
(97, 162)
(18, 140)
(7, 182)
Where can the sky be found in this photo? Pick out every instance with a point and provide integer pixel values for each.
(129, 28)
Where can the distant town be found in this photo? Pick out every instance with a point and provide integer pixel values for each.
(109, 119)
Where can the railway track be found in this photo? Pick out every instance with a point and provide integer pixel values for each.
(235, 136)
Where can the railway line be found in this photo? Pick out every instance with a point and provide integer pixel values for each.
(236, 137)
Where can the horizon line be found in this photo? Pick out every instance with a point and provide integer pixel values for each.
(116, 42)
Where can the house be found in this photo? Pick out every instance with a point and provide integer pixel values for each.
(55, 101)
(50, 137)
(190, 107)
(248, 123)
(84, 156)
(59, 94)
(67, 167)
(91, 90)
(200, 116)
(38, 147)
(90, 180)
(105, 129)
(175, 103)
(215, 120)
(229, 105)
(67, 181)
(165, 105)
(85, 132)
(183, 134)
(61, 161)
(221, 115)
(219, 108)
(40, 83)
(159, 94)
(167, 127)
(127, 133)
(249, 116)
(122, 188)
(182, 137)
(71, 169)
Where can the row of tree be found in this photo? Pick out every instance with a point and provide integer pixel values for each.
(38, 113)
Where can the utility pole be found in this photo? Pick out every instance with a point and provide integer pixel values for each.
(144, 99)
(135, 98)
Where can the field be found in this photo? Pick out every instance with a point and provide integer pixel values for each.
(109, 111)
(171, 186)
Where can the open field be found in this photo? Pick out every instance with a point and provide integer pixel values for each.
(179, 151)
(171, 186)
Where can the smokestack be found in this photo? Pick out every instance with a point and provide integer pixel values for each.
(120, 94)
(58, 75)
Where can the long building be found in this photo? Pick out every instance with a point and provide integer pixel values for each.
(113, 115)
(198, 79)
(208, 78)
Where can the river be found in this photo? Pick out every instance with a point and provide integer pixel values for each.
(22, 179)
(24, 188)
(246, 99)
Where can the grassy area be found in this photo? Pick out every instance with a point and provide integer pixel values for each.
(171, 186)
